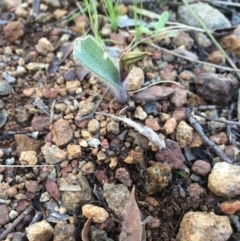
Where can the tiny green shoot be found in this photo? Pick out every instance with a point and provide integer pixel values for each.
(111, 12)
(158, 26)
(91, 7)
(180, 173)
(138, 30)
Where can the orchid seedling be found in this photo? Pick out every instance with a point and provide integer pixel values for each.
(93, 57)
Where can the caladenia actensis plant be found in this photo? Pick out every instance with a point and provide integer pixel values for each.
(93, 57)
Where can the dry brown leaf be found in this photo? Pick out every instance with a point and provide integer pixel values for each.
(144, 130)
(132, 228)
(86, 230)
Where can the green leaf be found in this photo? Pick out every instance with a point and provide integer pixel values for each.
(93, 57)
(161, 21)
(145, 30)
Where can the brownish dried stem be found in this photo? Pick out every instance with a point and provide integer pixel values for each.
(206, 140)
(16, 222)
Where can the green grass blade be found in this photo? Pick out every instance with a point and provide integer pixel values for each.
(161, 22)
(94, 58)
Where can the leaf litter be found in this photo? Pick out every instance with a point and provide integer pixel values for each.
(132, 222)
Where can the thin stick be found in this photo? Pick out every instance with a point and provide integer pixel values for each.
(194, 60)
(223, 3)
(27, 166)
(16, 222)
(221, 121)
(206, 140)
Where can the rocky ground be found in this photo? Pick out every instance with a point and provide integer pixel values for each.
(64, 177)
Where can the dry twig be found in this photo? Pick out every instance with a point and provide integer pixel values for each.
(206, 140)
(16, 222)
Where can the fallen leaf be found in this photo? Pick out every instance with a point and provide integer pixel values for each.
(86, 230)
(132, 228)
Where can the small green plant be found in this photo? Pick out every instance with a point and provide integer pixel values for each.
(91, 55)
(137, 20)
(180, 173)
(157, 27)
(91, 7)
(111, 12)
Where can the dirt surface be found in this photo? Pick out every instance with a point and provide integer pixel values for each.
(50, 101)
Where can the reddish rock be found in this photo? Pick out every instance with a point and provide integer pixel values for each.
(31, 187)
(4, 218)
(40, 123)
(12, 191)
(82, 124)
(230, 207)
(104, 144)
(170, 126)
(171, 154)
(179, 115)
(48, 137)
(196, 191)
(13, 31)
(153, 124)
(179, 97)
(168, 73)
(22, 205)
(216, 88)
(67, 169)
(50, 93)
(74, 163)
(201, 168)
(62, 132)
(52, 188)
(152, 94)
(220, 138)
(165, 106)
(123, 176)
(101, 176)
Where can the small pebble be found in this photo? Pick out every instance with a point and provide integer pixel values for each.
(13, 214)
(98, 214)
